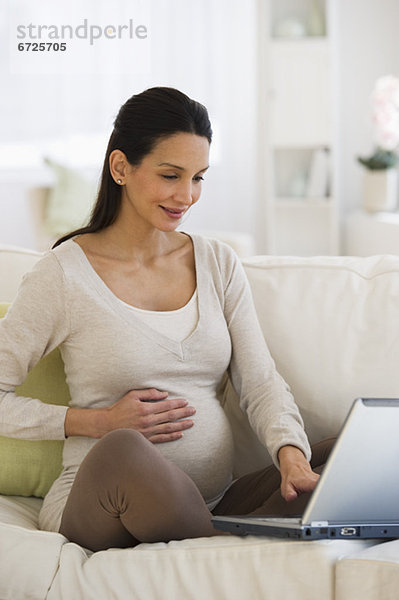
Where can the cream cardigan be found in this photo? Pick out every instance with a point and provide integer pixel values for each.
(108, 351)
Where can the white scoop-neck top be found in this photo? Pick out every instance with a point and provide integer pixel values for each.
(176, 324)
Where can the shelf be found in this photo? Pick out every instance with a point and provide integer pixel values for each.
(299, 76)
(302, 173)
(304, 203)
(305, 44)
(368, 234)
(293, 19)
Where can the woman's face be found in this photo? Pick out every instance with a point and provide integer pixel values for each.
(158, 192)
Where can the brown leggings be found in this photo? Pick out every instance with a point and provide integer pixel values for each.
(126, 492)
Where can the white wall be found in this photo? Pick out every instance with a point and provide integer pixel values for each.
(368, 49)
(209, 50)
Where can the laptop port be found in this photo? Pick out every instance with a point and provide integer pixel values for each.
(348, 531)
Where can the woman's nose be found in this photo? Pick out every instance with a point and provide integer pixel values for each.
(185, 192)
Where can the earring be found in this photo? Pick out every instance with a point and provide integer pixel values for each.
(119, 181)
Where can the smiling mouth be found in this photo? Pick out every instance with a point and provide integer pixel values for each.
(173, 212)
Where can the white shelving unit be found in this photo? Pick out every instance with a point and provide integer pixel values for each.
(298, 149)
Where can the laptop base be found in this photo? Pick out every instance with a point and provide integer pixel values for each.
(239, 525)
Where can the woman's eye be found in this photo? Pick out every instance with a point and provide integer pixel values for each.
(196, 179)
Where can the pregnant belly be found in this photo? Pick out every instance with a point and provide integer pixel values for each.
(205, 452)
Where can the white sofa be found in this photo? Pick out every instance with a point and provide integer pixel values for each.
(331, 324)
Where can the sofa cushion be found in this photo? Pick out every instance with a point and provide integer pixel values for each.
(29, 559)
(331, 326)
(371, 573)
(28, 468)
(253, 568)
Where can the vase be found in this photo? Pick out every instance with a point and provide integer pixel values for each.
(380, 190)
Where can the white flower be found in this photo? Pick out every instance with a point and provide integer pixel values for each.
(385, 100)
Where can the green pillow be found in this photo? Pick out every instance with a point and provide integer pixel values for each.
(29, 468)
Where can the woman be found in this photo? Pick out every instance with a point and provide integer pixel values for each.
(148, 319)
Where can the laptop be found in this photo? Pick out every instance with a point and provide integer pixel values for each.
(357, 495)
